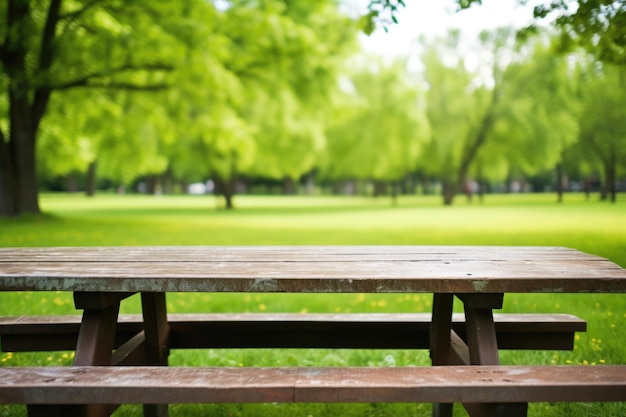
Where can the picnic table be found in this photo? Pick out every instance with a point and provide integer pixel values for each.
(466, 365)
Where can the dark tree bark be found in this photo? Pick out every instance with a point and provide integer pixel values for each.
(27, 68)
(27, 105)
(559, 182)
(227, 189)
(609, 189)
(451, 187)
(448, 191)
(90, 189)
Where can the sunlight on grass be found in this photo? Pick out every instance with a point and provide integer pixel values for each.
(193, 220)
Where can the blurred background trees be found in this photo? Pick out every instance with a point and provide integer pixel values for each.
(378, 128)
(241, 94)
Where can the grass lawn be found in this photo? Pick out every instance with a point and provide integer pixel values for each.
(590, 226)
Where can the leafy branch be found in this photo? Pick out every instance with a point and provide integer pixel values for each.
(95, 79)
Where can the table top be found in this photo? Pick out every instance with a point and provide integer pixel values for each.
(322, 269)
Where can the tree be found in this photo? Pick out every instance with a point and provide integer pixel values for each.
(116, 136)
(539, 111)
(599, 26)
(265, 90)
(462, 112)
(292, 100)
(47, 47)
(65, 144)
(521, 118)
(379, 132)
(603, 121)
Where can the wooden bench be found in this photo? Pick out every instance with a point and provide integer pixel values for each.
(284, 330)
(445, 384)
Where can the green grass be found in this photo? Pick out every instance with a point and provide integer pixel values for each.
(590, 226)
(502, 220)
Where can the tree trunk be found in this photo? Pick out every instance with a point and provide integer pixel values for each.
(610, 170)
(227, 189)
(559, 182)
(471, 149)
(288, 186)
(27, 105)
(380, 188)
(8, 201)
(228, 198)
(27, 169)
(152, 184)
(448, 191)
(168, 181)
(394, 193)
(70, 183)
(19, 188)
(228, 193)
(90, 187)
(609, 166)
(482, 188)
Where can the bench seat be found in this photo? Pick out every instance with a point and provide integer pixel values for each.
(162, 385)
(287, 330)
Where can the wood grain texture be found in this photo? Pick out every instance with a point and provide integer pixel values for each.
(158, 385)
(321, 269)
(286, 330)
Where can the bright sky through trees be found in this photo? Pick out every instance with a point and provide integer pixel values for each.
(435, 18)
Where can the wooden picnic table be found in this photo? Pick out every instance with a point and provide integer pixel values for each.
(101, 277)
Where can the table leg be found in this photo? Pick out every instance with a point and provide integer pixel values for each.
(96, 336)
(483, 349)
(481, 337)
(440, 334)
(157, 335)
(96, 339)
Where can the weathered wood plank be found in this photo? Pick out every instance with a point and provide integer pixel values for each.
(159, 385)
(323, 269)
(291, 253)
(537, 321)
(285, 330)
(381, 277)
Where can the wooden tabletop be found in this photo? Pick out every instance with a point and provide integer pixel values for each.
(323, 269)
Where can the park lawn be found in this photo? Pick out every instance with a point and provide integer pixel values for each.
(530, 219)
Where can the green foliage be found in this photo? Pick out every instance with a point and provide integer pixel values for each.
(185, 90)
(115, 128)
(380, 127)
(539, 110)
(522, 124)
(111, 44)
(265, 84)
(291, 95)
(49, 47)
(531, 219)
(381, 12)
(599, 26)
(243, 98)
(461, 111)
(603, 120)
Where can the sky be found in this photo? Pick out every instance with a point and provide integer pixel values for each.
(435, 17)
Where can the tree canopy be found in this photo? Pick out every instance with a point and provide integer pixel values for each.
(275, 89)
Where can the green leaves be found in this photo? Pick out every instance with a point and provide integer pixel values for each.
(599, 26)
(259, 88)
(381, 12)
(603, 121)
(379, 131)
